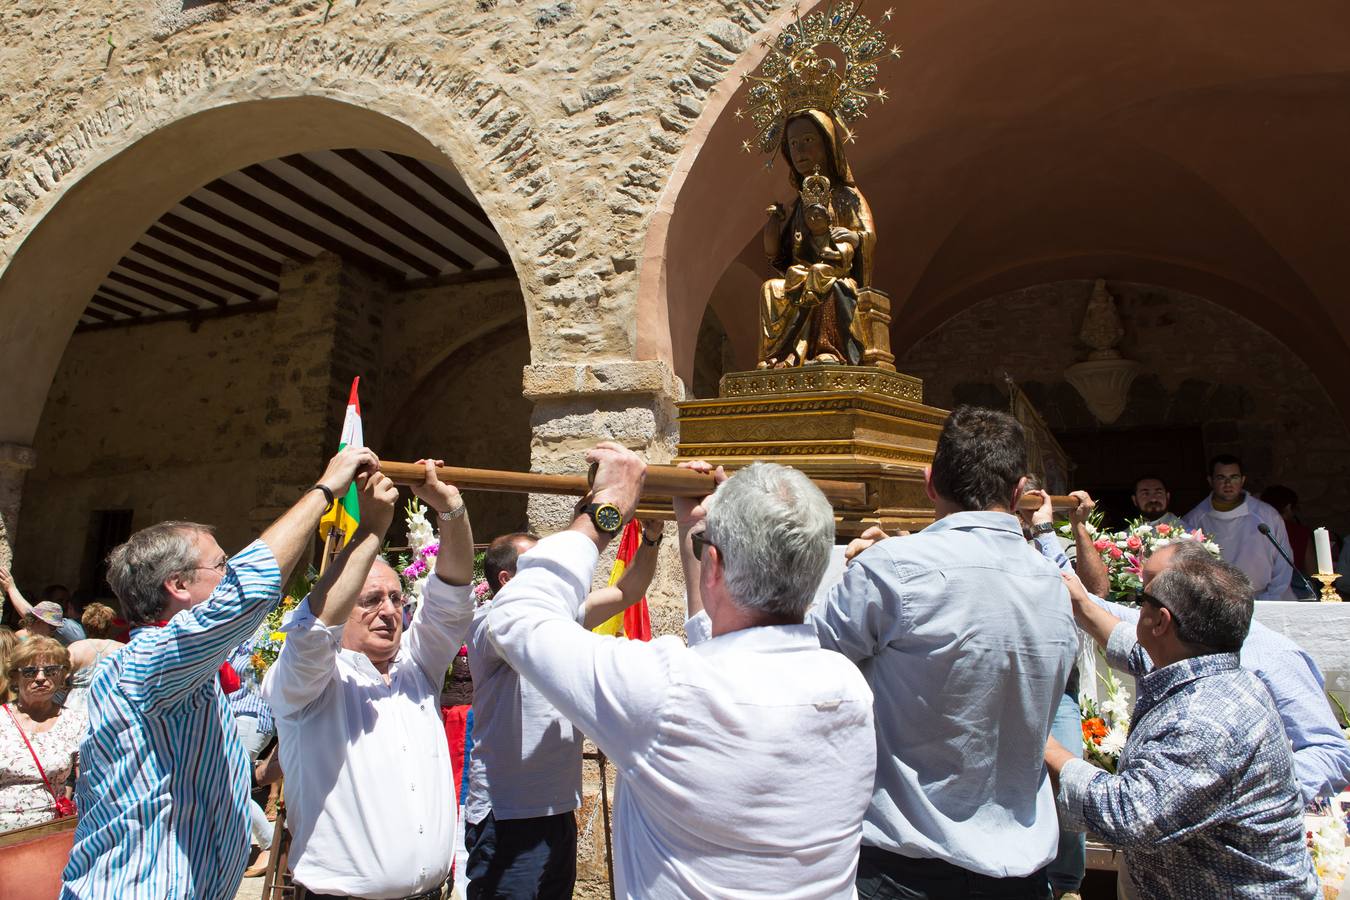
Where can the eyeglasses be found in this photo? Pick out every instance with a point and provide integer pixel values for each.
(699, 540)
(31, 672)
(219, 567)
(375, 601)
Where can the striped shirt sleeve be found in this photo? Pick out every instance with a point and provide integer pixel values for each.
(188, 651)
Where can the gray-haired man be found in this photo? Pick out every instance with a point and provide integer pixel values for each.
(745, 761)
(1204, 801)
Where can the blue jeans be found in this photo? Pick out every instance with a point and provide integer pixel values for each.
(522, 859)
(1066, 869)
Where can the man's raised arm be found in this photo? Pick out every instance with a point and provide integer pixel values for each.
(602, 604)
(442, 623)
(612, 690)
(309, 660)
(189, 649)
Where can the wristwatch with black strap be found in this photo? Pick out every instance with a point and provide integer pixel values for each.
(606, 517)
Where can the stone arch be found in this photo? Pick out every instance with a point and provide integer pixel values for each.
(120, 166)
(469, 397)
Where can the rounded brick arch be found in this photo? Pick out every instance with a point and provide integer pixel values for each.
(72, 206)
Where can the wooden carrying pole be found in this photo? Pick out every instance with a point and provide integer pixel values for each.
(663, 482)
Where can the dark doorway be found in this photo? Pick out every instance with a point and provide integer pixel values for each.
(107, 529)
(1109, 461)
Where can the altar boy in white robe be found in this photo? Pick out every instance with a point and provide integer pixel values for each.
(1232, 517)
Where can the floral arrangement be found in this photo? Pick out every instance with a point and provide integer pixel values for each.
(269, 639)
(419, 562)
(1106, 724)
(1327, 836)
(417, 565)
(1124, 551)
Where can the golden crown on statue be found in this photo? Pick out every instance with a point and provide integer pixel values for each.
(815, 190)
(801, 72)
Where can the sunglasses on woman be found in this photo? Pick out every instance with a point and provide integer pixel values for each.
(31, 672)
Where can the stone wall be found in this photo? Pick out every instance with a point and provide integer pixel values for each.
(226, 421)
(1203, 367)
(162, 420)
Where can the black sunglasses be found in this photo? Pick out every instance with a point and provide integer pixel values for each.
(699, 540)
(1141, 596)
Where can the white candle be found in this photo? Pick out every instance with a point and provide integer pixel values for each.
(1322, 538)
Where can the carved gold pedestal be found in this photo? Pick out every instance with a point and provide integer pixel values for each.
(847, 423)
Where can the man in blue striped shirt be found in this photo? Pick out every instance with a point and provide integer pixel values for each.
(163, 793)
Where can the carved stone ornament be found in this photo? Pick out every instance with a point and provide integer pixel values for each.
(1104, 379)
(1104, 384)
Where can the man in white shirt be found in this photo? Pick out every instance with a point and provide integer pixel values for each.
(368, 780)
(1233, 519)
(525, 774)
(745, 761)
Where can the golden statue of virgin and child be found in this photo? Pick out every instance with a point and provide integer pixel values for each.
(821, 309)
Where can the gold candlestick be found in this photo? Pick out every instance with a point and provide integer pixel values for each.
(1329, 594)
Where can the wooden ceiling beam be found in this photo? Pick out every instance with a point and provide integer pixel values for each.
(244, 200)
(169, 261)
(438, 184)
(113, 305)
(201, 254)
(321, 176)
(219, 242)
(127, 298)
(399, 187)
(177, 284)
(257, 235)
(151, 289)
(95, 314)
(280, 186)
(193, 317)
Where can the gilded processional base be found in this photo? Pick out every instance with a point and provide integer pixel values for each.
(846, 423)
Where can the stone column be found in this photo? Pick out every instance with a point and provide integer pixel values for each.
(324, 335)
(575, 407)
(15, 461)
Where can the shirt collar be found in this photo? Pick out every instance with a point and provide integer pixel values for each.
(763, 638)
(1160, 683)
(999, 521)
(1237, 512)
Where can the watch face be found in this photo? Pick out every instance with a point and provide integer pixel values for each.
(607, 518)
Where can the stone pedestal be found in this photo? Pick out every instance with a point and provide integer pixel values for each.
(15, 461)
(846, 423)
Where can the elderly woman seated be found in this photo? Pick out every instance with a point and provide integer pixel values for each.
(38, 738)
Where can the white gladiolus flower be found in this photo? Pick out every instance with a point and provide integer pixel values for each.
(1113, 743)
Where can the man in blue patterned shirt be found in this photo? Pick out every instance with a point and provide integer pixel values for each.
(163, 794)
(1204, 801)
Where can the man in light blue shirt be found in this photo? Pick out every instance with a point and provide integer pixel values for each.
(966, 640)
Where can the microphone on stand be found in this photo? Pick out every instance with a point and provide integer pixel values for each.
(1265, 529)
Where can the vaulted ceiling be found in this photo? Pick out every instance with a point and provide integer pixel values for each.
(1199, 145)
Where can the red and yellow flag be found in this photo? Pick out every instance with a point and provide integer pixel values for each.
(635, 620)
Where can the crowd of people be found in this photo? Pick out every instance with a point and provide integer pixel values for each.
(912, 731)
